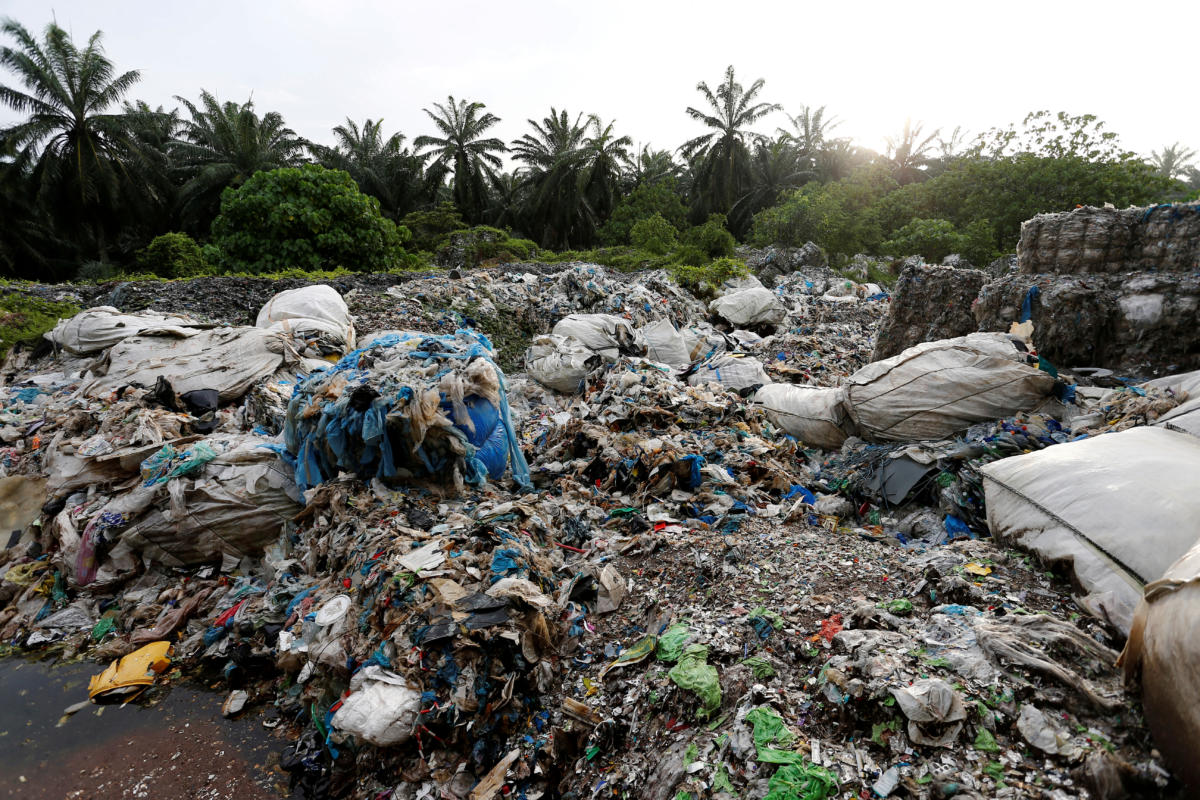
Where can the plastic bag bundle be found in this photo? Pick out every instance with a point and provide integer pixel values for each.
(560, 362)
(410, 405)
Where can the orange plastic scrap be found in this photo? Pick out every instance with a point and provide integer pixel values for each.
(132, 673)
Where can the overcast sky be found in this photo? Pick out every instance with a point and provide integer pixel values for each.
(975, 64)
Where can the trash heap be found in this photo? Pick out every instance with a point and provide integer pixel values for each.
(689, 550)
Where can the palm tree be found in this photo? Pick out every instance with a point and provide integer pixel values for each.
(809, 129)
(557, 210)
(151, 193)
(461, 150)
(775, 167)
(76, 149)
(382, 167)
(1173, 161)
(908, 153)
(223, 144)
(607, 158)
(652, 166)
(721, 158)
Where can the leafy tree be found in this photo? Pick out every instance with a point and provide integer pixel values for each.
(649, 198)
(1054, 135)
(307, 218)
(909, 154)
(75, 150)
(721, 158)
(172, 255)
(382, 167)
(462, 150)
(654, 235)
(222, 145)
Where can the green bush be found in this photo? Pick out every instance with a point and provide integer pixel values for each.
(307, 218)
(23, 319)
(172, 255)
(690, 255)
(654, 235)
(712, 237)
(660, 197)
(932, 238)
(703, 280)
(431, 229)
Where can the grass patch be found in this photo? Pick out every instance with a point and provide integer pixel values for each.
(23, 319)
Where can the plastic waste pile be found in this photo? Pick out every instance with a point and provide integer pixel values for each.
(675, 557)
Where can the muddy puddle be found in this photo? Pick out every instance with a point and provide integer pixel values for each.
(172, 744)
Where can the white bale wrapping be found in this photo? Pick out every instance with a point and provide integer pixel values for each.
(310, 312)
(560, 363)
(936, 389)
(749, 307)
(732, 371)
(812, 414)
(99, 328)
(608, 335)
(1162, 653)
(230, 360)
(1119, 507)
(666, 345)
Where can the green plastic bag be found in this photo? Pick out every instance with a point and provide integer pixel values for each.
(670, 644)
(694, 673)
(801, 781)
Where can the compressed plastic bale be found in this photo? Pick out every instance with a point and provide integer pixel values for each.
(936, 389)
(749, 307)
(608, 335)
(236, 504)
(1161, 655)
(732, 371)
(1119, 508)
(229, 360)
(560, 363)
(99, 328)
(314, 315)
(666, 345)
(404, 407)
(381, 709)
(813, 415)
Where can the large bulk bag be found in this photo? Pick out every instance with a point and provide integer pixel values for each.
(666, 345)
(1120, 508)
(1162, 653)
(229, 360)
(560, 363)
(99, 328)
(936, 389)
(605, 334)
(315, 316)
(749, 307)
(734, 371)
(812, 414)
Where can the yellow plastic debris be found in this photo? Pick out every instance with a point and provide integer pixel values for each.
(133, 672)
(977, 569)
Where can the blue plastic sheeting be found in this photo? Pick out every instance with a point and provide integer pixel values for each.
(350, 434)
(1027, 305)
(797, 490)
(956, 527)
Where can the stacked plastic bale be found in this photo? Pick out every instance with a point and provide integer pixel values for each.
(409, 405)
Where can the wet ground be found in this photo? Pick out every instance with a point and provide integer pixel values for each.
(173, 744)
